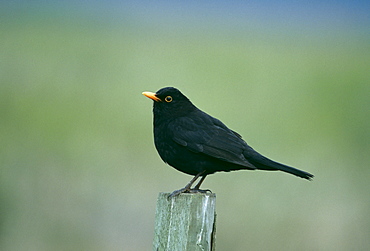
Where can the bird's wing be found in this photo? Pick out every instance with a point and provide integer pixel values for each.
(208, 135)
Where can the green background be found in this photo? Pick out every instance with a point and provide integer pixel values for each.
(78, 167)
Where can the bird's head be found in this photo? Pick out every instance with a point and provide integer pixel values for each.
(169, 102)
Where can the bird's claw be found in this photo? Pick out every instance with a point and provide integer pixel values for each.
(187, 190)
(199, 191)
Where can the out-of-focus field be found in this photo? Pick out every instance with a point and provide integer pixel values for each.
(78, 168)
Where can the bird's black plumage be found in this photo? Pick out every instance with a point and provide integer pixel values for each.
(198, 144)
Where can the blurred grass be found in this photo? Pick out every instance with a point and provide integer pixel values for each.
(78, 167)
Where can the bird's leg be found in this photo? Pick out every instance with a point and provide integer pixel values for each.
(187, 188)
(196, 188)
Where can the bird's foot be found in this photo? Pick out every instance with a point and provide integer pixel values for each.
(188, 190)
(194, 190)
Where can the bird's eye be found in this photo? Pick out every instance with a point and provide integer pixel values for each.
(168, 99)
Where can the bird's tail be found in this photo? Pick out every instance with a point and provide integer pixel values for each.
(297, 172)
(264, 163)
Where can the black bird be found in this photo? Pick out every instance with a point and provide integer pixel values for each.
(196, 143)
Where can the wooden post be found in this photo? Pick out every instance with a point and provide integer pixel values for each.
(185, 222)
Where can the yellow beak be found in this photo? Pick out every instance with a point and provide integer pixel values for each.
(151, 95)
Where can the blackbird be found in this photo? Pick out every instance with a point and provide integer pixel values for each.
(198, 144)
